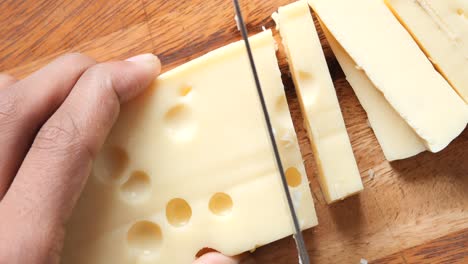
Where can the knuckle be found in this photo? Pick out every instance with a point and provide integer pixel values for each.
(99, 71)
(54, 135)
(8, 109)
(104, 80)
(55, 138)
(61, 137)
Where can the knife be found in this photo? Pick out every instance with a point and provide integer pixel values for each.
(300, 245)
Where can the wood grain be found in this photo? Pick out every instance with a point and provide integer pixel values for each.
(448, 249)
(405, 205)
(32, 29)
(132, 40)
(396, 258)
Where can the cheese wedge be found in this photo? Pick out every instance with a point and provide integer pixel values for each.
(189, 165)
(395, 136)
(338, 173)
(441, 29)
(380, 45)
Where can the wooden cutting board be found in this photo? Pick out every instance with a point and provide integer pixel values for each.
(411, 211)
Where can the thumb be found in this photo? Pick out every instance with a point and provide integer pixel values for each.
(216, 258)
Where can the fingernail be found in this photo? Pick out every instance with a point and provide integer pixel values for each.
(146, 59)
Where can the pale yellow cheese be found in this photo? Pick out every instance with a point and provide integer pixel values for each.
(338, 173)
(394, 63)
(395, 136)
(189, 165)
(441, 29)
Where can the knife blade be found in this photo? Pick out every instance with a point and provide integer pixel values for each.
(300, 245)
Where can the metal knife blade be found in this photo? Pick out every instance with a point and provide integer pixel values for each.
(301, 248)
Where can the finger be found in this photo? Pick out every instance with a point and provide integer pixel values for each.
(6, 80)
(27, 104)
(55, 169)
(216, 258)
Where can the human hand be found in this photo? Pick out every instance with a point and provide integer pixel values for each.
(52, 125)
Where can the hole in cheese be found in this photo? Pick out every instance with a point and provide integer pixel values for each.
(185, 90)
(293, 177)
(179, 122)
(281, 103)
(144, 238)
(110, 164)
(220, 204)
(304, 75)
(137, 187)
(178, 212)
(460, 11)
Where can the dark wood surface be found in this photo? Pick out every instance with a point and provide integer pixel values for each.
(411, 211)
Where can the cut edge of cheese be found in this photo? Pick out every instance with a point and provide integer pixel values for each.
(404, 75)
(435, 38)
(232, 49)
(396, 138)
(319, 103)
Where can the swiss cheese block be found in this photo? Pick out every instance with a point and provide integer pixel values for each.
(338, 173)
(441, 29)
(189, 165)
(394, 63)
(395, 136)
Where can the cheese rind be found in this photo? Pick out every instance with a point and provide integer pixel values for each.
(189, 165)
(397, 139)
(441, 29)
(338, 173)
(376, 41)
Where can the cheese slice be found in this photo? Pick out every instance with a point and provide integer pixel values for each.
(395, 136)
(189, 165)
(338, 173)
(441, 29)
(376, 41)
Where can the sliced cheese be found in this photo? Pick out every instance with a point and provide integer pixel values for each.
(376, 41)
(338, 173)
(441, 29)
(395, 136)
(189, 165)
